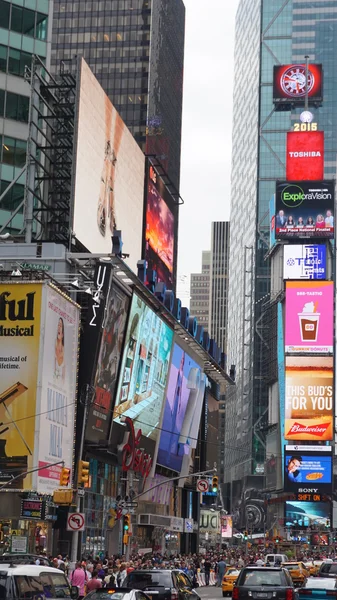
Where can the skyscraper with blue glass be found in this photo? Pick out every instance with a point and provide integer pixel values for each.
(268, 33)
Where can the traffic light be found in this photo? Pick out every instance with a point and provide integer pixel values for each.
(83, 471)
(277, 540)
(245, 536)
(125, 539)
(215, 484)
(327, 525)
(127, 524)
(65, 476)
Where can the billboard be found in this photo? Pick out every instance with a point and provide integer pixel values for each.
(143, 373)
(306, 514)
(108, 181)
(212, 431)
(226, 526)
(304, 261)
(309, 404)
(290, 83)
(160, 229)
(20, 328)
(184, 401)
(309, 317)
(57, 394)
(308, 469)
(305, 209)
(111, 346)
(305, 156)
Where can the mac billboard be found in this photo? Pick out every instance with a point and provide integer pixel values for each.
(308, 470)
(108, 181)
(309, 317)
(309, 402)
(304, 261)
(290, 83)
(305, 156)
(305, 209)
(143, 374)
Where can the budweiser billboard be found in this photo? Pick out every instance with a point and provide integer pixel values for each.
(309, 401)
(305, 156)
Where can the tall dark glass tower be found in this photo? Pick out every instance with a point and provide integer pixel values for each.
(136, 50)
(268, 33)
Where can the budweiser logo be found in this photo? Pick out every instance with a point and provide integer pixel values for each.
(318, 430)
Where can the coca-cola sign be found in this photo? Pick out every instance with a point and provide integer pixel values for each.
(130, 456)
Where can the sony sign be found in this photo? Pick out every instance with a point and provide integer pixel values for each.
(304, 261)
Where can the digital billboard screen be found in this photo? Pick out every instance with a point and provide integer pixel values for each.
(160, 229)
(183, 399)
(212, 431)
(305, 156)
(305, 209)
(309, 316)
(290, 83)
(143, 373)
(110, 351)
(304, 261)
(308, 469)
(309, 403)
(306, 514)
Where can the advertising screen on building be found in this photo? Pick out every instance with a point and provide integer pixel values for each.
(309, 317)
(305, 156)
(290, 83)
(160, 231)
(143, 373)
(308, 469)
(304, 261)
(306, 514)
(226, 526)
(20, 328)
(305, 209)
(56, 408)
(309, 403)
(111, 346)
(108, 184)
(184, 399)
(212, 427)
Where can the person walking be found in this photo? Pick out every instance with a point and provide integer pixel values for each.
(207, 567)
(78, 578)
(221, 568)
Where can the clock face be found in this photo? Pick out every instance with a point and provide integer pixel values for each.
(293, 81)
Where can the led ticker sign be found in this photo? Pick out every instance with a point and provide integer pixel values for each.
(290, 84)
(305, 155)
(305, 209)
(309, 497)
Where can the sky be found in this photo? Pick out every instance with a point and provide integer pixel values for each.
(207, 126)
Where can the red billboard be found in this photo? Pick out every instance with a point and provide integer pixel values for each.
(305, 156)
(290, 83)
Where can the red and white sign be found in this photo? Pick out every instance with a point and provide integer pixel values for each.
(76, 522)
(305, 155)
(202, 485)
(130, 456)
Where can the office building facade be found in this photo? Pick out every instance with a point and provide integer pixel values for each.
(136, 51)
(25, 29)
(269, 32)
(219, 282)
(199, 298)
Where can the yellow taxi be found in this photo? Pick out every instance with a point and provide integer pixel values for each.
(313, 567)
(298, 572)
(228, 581)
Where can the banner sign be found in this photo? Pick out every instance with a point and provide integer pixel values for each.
(304, 261)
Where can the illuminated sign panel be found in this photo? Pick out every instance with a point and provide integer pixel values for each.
(304, 261)
(308, 471)
(305, 155)
(309, 402)
(305, 209)
(290, 83)
(305, 514)
(309, 317)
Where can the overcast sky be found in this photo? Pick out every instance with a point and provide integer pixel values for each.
(207, 127)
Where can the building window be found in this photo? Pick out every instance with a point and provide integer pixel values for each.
(4, 14)
(3, 58)
(17, 107)
(17, 61)
(13, 197)
(2, 103)
(13, 151)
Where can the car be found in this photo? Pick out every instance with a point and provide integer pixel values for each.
(162, 584)
(34, 582)
(24, 559)
(228, 580)
(328, 569)
(116, 593)
(313, 566)
(298, 572)
(275, 558)
(264, 583)
(318, 588)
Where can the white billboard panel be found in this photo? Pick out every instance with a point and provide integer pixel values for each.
(108, 184)
(304, 261)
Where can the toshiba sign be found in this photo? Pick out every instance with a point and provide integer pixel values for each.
(305, 155)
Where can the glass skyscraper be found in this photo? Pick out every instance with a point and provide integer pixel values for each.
(135, 48)
(268, 33)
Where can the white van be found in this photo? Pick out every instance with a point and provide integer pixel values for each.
(32, 582)
(273, 558)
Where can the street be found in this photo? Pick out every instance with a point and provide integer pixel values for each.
(210, 592)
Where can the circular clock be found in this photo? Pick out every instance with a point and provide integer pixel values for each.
(293, 81)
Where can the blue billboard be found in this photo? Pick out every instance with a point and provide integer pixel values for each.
(308, 469)
(306, 514)
(304, 261)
